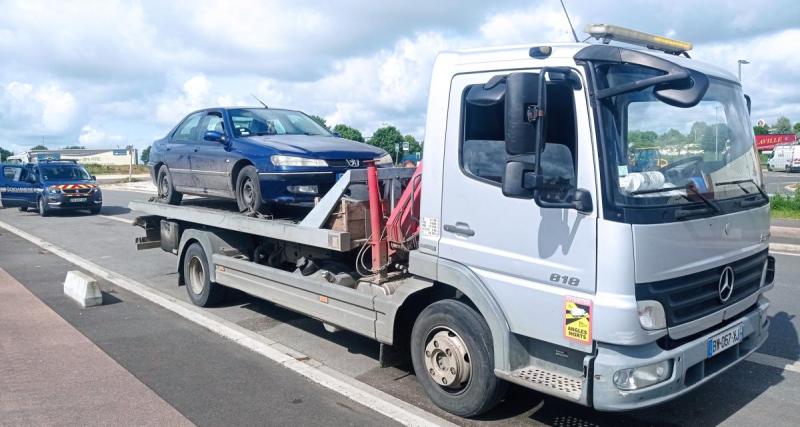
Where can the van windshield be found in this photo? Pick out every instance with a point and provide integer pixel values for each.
(661, 155)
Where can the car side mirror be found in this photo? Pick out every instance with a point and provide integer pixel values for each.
(215, 136)
(94, 178)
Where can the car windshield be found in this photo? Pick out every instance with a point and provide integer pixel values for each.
(262, 121)
(660, 155)
(63, 172)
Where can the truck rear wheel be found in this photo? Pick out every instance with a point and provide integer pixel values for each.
(166, 191)
(451, 349)
(197, 276)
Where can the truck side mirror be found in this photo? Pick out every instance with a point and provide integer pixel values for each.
(523, 112)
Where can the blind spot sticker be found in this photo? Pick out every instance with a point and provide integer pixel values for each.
(578, 320)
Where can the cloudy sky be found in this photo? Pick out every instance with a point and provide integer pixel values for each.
(111, 73)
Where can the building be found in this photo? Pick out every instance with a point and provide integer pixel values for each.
(105, 157)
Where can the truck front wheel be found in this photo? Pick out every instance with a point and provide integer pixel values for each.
(451, 349)
(197, 276)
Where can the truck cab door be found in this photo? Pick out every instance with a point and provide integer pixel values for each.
(532, 259)
(210, 160)
(180, 145)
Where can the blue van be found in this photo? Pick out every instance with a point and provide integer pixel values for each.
(49, 186)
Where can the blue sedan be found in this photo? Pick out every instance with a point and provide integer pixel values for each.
(257, 156)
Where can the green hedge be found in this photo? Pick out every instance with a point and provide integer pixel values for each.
(786, 206)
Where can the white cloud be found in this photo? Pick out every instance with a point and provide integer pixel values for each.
(91, 136)
(37, 109)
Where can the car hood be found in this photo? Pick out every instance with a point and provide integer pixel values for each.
(68, 182)
(324, 147)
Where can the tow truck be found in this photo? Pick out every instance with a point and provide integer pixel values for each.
(521, 249)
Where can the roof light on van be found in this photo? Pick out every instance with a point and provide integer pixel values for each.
(607, 33)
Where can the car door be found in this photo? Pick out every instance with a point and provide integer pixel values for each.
(210, 160)
(15, 187)
(532, 259)
(180, 146)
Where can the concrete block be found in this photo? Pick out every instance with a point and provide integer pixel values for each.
(83, 289)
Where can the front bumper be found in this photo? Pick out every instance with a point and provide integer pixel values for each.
(275, 185)
(66, 202)
(691, 367)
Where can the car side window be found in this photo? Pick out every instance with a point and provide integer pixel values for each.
(483, 151)
(214, 123)
(188, 129)
(14, 174)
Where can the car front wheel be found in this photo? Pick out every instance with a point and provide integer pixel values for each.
(44, 210)
(248, 191)
(166, 191)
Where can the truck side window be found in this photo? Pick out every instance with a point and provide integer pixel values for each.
(483, 151)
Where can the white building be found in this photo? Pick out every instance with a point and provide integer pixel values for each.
(106, 157)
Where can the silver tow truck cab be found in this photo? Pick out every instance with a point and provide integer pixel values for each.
(591, 225)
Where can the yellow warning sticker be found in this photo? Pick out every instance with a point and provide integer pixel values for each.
(578, 319)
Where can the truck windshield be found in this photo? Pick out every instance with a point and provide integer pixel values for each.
(659, 155)
(63, 172)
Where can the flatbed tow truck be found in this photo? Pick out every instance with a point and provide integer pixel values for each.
(521, 250)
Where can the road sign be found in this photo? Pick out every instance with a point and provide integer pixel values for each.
(120, 152)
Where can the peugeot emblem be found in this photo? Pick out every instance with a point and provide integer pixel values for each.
(353, 163)
(726, 284)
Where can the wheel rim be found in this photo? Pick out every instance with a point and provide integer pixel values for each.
(446, 359)
(196, 275)
(41, 205)
(164, 187)
(248, 193)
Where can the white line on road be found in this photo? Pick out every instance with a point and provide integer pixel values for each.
(784, 253)
(784, 247)
(775, 362)
(351, 388)
(125, 220)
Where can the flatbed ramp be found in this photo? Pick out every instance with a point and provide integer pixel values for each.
(281, 229)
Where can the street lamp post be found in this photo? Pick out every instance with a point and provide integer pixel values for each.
(740, 62)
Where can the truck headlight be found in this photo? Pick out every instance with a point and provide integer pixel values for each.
(280, 160)
(54, 189)
(643, 376)
(386, 159)
(651, 315)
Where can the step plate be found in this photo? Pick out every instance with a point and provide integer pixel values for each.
(548, 381)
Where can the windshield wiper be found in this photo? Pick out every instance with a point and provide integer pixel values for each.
(742, 181)
(713, 207)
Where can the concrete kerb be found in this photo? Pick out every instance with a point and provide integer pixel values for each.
(83, 289)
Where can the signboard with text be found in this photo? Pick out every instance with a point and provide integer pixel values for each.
(768, 142)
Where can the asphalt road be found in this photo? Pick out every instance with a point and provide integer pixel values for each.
(776, 182)
(753, 393)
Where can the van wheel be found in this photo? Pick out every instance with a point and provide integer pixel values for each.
(95, 210)
(197, 276)
(166, 191)
(44, 210)
(248, 191)
(451, 349)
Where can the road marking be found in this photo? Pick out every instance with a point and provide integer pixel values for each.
(776, 230)
(125, 220)
(775, 362)
(313, 370)
(784, 253)
(784, 247)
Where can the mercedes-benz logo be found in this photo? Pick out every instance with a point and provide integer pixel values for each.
(726, 284)
(353, 163)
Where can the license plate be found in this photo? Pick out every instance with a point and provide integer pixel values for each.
(724, 340)
(78, 199)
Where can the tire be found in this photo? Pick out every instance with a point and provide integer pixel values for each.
(197, 277)
(462, 330)
(248, 191)
(166, 191)
(23, 209)
(44, 210)
(95, 210)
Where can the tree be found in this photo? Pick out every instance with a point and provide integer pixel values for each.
(74, 147)
(4, 154)
(40, 147)
(348, 132)
(796, 128)
(386, 138)
(783, 125)
(763, 130)
(145, 156)
(321, 121)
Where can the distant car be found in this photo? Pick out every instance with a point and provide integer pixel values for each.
(257, 156)
(49, 186)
